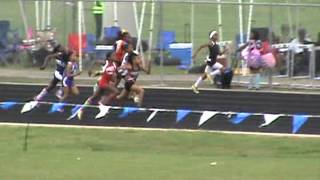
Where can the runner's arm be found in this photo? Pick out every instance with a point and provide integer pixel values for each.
(69, 69)
(98, 62)
(242, 47)
(47, 59)
(143, 68)
(199, 49)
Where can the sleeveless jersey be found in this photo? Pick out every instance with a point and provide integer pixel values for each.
(214, 51)
(120, 49)
(74, 68)
(132, 73)
(109, 69)
(62, 61)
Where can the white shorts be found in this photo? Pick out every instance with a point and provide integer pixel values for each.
(58, 75)
(216, 65)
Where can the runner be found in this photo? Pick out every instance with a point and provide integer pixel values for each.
(213, 67)
(131, 66)
(62, 57)
(105, 83)
(72, 70)
(121, 45)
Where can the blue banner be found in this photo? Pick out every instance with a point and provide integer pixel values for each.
(127, 110)
(297, 122)
(181, 114)
(7, 105)
(57, 107)
(240, 118)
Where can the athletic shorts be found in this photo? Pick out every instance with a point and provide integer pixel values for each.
(128, 85)
(58, 75)
(216, 65)
(68, 82)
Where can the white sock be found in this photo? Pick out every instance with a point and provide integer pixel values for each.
(257, 80)
(251, 80)
(215, 72)
(41, 94)
(198, 82)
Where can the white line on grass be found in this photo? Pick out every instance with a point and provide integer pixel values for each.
(163, 130)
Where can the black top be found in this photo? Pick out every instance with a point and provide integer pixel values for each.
(214, 51)
(62, 61)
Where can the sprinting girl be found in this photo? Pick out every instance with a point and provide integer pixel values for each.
(213, 67)
(62, 56)
(105, 83)
(68, 84)
(132, 65)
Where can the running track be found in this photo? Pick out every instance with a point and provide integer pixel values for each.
(215, 100)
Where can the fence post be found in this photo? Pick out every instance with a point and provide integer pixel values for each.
(269, 73)
(312, 63)
(161, 39)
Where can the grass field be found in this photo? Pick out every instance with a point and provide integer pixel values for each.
(61, 153)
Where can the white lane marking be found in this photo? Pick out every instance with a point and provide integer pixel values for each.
(164, 130)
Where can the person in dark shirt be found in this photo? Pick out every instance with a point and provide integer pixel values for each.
(62, 56)
(213, 67)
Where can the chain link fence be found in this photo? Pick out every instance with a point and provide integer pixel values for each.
(169, 32)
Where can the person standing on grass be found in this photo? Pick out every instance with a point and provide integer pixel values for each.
(213, 67)
(105, 83)
(62, 56)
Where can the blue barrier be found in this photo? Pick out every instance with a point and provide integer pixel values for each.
(165, 39)
(111, 32)
(91, 43)
(183, 52)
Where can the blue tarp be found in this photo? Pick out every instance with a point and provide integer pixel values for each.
(165, 39)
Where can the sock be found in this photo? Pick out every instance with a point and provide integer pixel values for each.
(251, 80)
(43, 93)
(88, 101)
(198, 82)
(215, 72)
(257, 80)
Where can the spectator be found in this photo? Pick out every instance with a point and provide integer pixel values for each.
(302, 37)
(301, 54)
(317, 43)
(251, 52)
(285, 34)
(97, 11)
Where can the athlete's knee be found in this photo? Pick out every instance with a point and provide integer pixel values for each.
(76, 92)
(141, 91)
(50, 87)
(115, 90)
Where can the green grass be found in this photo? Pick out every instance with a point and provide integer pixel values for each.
(60, 153)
